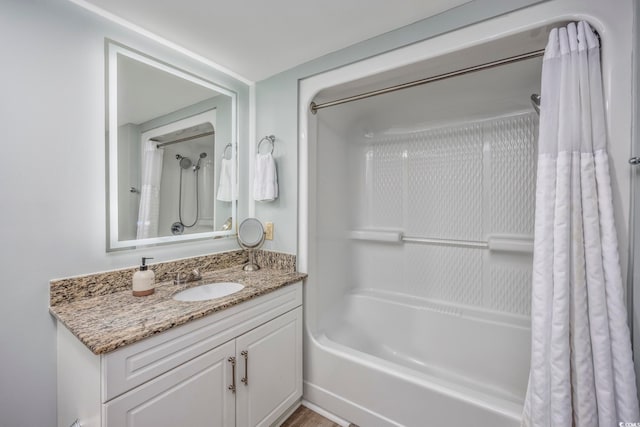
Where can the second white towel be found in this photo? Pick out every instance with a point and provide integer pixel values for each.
(265, 182)
(224, 185)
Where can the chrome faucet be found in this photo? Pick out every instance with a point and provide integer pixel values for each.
(182, 277)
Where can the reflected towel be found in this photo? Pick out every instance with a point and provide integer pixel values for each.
(224, 185)
(265, 183)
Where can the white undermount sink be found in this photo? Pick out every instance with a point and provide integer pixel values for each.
(208, 291)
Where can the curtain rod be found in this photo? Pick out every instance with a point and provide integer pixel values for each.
(534, 54)
(188, 138)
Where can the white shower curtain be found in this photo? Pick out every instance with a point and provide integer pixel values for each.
(149, 210)
(581, 361)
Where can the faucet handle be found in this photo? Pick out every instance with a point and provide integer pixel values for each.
(195, 275)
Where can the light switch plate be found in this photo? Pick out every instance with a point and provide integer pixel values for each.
(268, 230)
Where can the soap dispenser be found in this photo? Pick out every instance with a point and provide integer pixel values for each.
(143, 280)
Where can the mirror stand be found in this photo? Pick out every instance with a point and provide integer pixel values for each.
(251, 265)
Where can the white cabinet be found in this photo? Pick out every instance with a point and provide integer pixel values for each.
(270, 367)
(239, 367)
(193, 394)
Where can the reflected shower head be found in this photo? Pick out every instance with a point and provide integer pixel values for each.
(185, 162)
(197, 166)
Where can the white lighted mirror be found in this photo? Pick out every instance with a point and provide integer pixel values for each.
(171, 153)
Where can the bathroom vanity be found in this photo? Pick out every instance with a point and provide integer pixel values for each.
(232, 361)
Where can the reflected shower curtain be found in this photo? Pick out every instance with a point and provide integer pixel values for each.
(581, 361)
(149, 210)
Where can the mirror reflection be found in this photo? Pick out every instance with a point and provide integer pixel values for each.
(171, 156)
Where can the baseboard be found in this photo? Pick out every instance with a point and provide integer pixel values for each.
(334, 404)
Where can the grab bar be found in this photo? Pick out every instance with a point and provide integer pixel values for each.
(495, 242)
(447, 242)
(376, 235)
(511, 243)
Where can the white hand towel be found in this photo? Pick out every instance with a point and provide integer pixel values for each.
(224, 184)
(265, 183)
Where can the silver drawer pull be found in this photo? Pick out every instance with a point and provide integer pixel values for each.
(634, 160)
(232, 387)
(245, 354)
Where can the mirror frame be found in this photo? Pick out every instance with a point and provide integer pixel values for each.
(113, 49)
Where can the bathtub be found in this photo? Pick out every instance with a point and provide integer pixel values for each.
(399, 333)
(437, 369)
(481, 353)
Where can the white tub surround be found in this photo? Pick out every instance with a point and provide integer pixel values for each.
(416, 219)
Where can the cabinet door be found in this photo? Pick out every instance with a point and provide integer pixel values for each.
(194, 394)
(270, 370)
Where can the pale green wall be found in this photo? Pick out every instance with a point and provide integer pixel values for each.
(53, 183)
(277, 102)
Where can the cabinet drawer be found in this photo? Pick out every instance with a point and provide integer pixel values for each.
(138, 363)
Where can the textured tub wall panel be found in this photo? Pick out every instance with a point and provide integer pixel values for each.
(384, 168)
(380, 266)
(465, 182)
(445, 183)
(445, 273)
(512, 167)
(507, 283)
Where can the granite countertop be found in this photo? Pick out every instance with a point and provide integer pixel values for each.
(107, 322)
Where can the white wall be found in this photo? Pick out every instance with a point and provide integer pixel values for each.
(53, 183)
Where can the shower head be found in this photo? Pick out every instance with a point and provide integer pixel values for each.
(535, 102)
(185, 162)
(197, 166)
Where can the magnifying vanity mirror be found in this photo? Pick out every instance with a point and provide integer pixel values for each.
(171, 176)
(251, 237)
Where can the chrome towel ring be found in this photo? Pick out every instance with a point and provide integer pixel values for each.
(271, 139)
